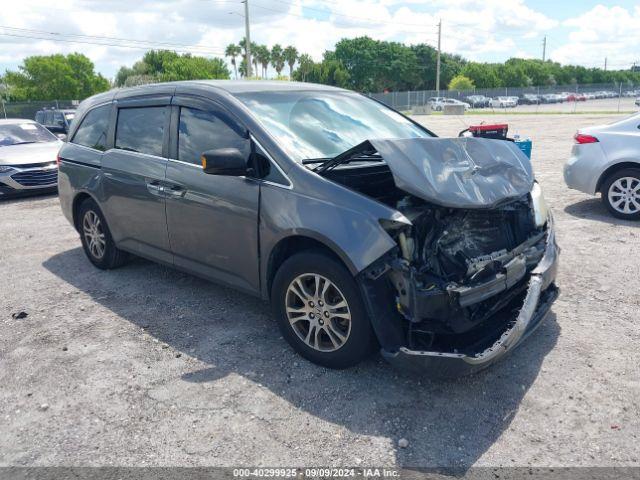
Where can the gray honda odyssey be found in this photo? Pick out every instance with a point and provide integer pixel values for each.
(364, 229)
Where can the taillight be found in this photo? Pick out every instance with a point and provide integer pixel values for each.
(58, 160)
(583, 138)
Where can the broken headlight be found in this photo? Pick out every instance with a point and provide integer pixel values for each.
(540, 209)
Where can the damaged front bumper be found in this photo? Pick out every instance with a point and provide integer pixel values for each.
(540, 294)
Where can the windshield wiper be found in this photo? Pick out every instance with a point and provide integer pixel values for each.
(361, 152)
(23, 143)
(309, 161)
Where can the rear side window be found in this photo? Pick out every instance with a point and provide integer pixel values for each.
(92, 132)
(40, 117)
(48, 118)
(200, 131)
(141, 129)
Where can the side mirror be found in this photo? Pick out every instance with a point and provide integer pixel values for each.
(224, 161)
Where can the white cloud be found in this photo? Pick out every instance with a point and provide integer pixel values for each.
(473, 28)
(601, 32)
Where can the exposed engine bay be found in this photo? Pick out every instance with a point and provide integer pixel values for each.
(459, 275)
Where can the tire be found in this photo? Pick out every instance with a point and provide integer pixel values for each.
(314, 319)
(621, 193)
(92, 224)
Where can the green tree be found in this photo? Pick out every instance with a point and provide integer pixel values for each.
(461, 83)
(376, 65)
(55, 77)
(165, 65)
(483, 75)
(264, 57)
(305, 65)
(277, 58)
(290, 56)
(187, 67)
(233, 51)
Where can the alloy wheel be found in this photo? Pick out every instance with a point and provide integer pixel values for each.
(624, 195)
(93, 234)
(318, 312)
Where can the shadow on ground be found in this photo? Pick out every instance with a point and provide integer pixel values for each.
(448, 423)
(593, 209)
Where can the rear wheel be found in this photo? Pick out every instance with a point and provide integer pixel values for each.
(320, 312)
(621, 193)
(96, 238)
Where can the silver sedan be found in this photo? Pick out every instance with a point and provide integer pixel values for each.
(606, 160)
(28, 154)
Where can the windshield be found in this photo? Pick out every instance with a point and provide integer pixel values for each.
(318, 124)
(27, 132)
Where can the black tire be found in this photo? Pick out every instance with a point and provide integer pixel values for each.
(112, 256)
(633, 173)
(360, 341)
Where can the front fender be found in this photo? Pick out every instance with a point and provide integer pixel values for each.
(349, 225)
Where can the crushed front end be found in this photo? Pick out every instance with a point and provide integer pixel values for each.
(476, 259)
(464, 286)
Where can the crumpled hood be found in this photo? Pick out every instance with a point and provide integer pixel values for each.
(462, 172)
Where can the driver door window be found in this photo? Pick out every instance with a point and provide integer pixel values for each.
(199, 131)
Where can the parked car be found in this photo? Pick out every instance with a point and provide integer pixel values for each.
(503, 102)
(606, 159)
(438, 103)
(638, 101)
(529, 99)
(56, 121)
(27, 157)
(478, 101)
(553, 98)
(360, 226)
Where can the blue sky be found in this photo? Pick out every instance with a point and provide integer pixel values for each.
(578, 32)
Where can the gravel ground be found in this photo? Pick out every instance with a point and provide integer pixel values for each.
(148, 366)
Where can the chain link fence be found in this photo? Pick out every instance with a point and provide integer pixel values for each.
(409, 100)
(28, 110)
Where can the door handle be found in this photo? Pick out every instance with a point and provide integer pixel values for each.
(175, 191)
(155, 188)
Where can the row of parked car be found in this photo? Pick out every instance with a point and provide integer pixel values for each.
(482, 101)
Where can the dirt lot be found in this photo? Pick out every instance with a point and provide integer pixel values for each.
(148, 366)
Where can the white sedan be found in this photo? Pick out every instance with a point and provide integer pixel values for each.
(504, 102)
(28, 153)
(606, 160)
(438, 103)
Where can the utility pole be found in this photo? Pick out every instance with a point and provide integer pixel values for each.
(605, 64)
(544, 48)
(438, 57)
(247, 38)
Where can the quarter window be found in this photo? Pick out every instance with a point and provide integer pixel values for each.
(92, 132)
(141, 129)
(200, 131)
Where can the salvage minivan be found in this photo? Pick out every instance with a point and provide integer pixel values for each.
(363, 228)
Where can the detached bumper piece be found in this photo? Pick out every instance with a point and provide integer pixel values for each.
(540, 294)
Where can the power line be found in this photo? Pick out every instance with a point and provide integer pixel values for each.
(97, 37)
(104, 44)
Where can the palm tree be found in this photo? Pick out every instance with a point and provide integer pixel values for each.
(305, 64)
(277, 58)
(254, 58)
(264, 57)
(290, 55)
(233, 51)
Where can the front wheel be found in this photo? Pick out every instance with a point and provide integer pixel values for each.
(96, 237)
(320, 312)
(621, 193)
